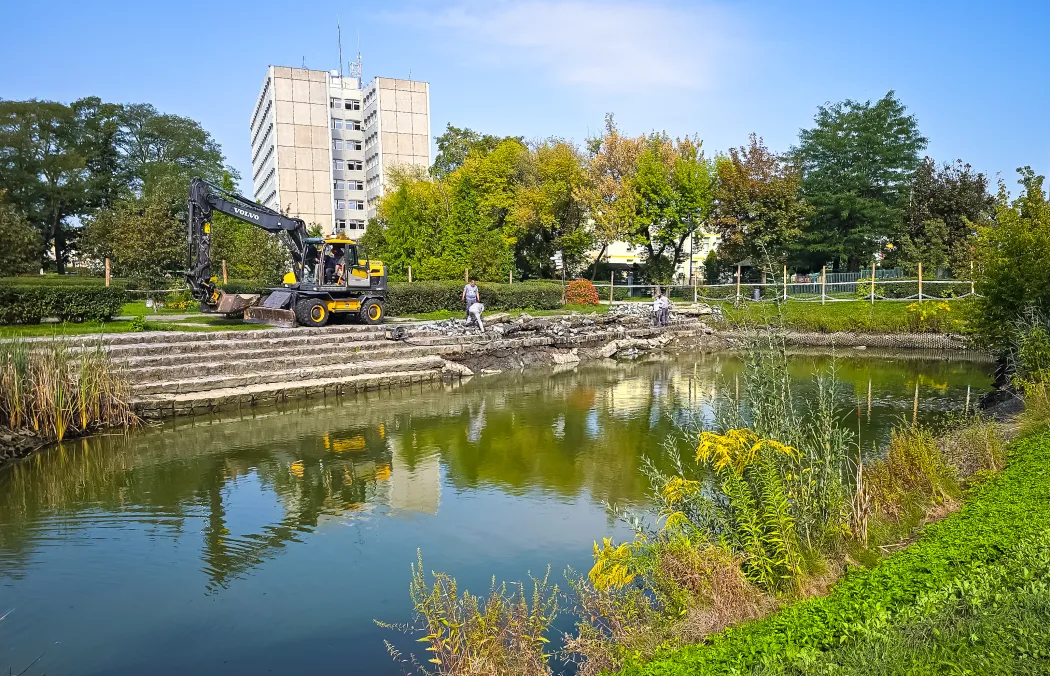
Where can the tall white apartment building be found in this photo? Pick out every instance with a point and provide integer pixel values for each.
(397, 132)
(308, 143)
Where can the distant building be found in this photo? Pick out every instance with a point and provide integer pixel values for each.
(397, 132)
(625, 256)
(308, 136)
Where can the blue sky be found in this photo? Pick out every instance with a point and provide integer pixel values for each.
(976, 74)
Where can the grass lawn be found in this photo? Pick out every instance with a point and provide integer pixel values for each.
(971, 596)
(138, 307)
(882, 317)
(81, 328)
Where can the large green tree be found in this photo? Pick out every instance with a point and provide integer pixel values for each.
(608, 193)
(945, 208)
(1012, 252)
(456, 144)
(758, 208)
(249, 251)
(857, 163)
(57, 162)
(548, 215)
(673, 188)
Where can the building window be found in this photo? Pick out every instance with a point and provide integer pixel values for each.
(353, 145)
(352, 104)
(337, 144)
(340, 204)
(338, 164)
(337, 123)
(336, 103)
(354, 165)
(339, 184)
(357, 204)
(355, 185)
(356, 225)
(353, 124)
(340, 224)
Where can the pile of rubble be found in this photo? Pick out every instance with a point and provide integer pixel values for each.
(678, 312)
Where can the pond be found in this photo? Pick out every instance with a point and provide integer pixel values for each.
(269, 540)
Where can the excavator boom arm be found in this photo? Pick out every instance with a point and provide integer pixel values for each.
(207, 198)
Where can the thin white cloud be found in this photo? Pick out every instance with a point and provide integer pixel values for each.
(618, 47)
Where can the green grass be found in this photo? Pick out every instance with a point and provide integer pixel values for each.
(858, 317)
(82, 328)
(138, 307)
(914, 612)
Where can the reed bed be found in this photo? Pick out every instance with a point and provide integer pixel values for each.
(58, 391)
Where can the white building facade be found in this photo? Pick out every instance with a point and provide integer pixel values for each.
(397, 132)
(308, 143)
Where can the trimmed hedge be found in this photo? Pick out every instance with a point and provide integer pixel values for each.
(422, 297)
(30, 303)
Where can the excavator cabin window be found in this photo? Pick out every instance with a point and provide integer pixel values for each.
(340, 259)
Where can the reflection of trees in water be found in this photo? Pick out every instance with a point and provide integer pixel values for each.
(182, 472)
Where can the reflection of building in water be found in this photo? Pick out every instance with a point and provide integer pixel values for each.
(477, 422)
(416, 487)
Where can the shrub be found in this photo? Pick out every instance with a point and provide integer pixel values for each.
(30, 303)
(423, 297)
(914, 476)
(503, 634)
(581, 292)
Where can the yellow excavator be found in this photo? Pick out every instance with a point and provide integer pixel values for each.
(329, 278)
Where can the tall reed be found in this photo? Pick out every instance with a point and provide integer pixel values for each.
(56, 389)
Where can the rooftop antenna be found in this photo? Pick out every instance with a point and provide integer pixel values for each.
(355, 66)
(339, 32)
(304, 61)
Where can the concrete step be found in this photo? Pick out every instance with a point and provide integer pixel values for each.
(244, 340)
(165, 405)
(260, 374)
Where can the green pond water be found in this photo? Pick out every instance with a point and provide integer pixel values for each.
(268, 540)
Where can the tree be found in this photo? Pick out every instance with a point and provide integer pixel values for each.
(857, 162)
(456, 144)
(1012, 253)
(547, 215)
(20, 252)
(141, 236)
(758, 208)
(608, 192)
(945, 208)
(56, 163)
(154, 146)
(673, 189)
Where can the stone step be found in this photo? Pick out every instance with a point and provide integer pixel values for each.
(165, 405)
(148, 337)
(235, 379)
(135, 363)
(245, 339)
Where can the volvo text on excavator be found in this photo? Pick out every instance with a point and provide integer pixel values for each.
(328, 277)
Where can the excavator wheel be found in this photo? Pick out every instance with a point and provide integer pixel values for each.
(312, 312)
(373, 312)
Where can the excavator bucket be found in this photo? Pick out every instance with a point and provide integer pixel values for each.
(235, 303)
(275, 310)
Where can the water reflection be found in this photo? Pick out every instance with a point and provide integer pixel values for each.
(491, 477)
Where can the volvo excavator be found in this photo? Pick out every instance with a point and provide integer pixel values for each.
(328, 276)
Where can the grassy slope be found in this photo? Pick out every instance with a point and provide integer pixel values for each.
(883, 620)
(81, 328)
(882, 317)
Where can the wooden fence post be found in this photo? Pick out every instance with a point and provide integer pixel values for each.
(224, 278)
(738, 282)
(920, 282)
(409, 274)
(510, 280)
(785, 282)
(823, 282)
(696, 278)
(873, 283)
(971, 279)
(107, 272)
(466, 275)
(611, 283)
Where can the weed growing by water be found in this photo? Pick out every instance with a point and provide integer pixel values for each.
(469, 636)
(52, 389)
